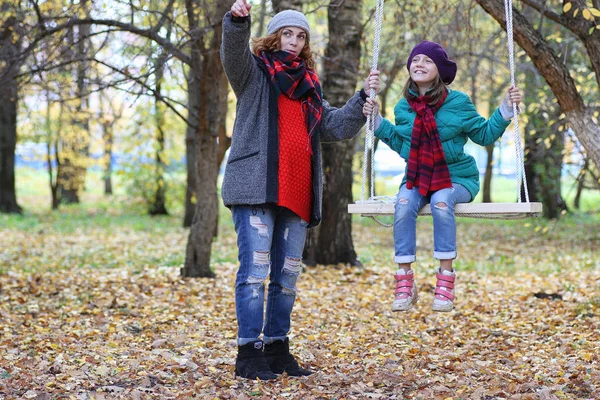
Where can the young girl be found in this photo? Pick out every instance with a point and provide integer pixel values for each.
(273, 178)
(432, 125)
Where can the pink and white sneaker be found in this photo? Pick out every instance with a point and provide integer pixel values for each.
(443, 299)
(406, 290)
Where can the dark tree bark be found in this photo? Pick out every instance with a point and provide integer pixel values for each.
(586, 174)
(544, 143)
(332, 242)
(158, 205)
(9, 68)
(107, 122)
(224, 140)
(281, 5)
(108, 138)
(197, 260)
(190, 143)
(52, 144)
(543, 164)
(555, 71)
(544, 156)
(75, 147)
(261, 18)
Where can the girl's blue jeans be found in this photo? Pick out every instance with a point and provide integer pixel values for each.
(408, 204)
(270, 242)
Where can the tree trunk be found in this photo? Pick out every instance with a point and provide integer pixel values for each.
(158, 207)
(193, 86)
(8, 142)
(555, 73)
(75, 145)
(108, 138)
(544, 144)
(9, 68)
(52, 143)
(190, 149)
(332, 244)
(486, 187)
(197, 260)
(544, 161)
(281, 5)
(261, 18)
(224, 140)
(581, 183)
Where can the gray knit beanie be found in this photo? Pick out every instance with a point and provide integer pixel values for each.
(288, 18)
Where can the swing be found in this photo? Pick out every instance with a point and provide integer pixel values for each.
(384, 205)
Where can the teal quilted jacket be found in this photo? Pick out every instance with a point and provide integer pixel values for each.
(457, 121)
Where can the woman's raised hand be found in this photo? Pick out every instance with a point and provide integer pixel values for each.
(372, 82)
(371, 107)
(241, 8)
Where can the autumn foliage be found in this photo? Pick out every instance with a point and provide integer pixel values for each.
(92, 306)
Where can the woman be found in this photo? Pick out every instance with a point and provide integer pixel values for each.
(432, 126)
(273, 178)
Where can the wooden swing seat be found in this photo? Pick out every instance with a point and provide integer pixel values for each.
(473, 210)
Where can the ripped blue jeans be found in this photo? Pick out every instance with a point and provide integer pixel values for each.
(408, 204)
(270, 243)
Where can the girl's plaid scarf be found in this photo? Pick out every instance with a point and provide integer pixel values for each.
(427, 168)
(290, 75)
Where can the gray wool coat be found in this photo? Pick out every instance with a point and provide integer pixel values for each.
(251, 173)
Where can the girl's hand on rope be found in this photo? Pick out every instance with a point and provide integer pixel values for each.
(372, 82)
(513, 95)
(371, 107)
(240, 8)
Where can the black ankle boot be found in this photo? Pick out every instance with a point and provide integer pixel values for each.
(280, 360)
(251, 364)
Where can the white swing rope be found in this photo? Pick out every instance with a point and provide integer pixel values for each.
(370, 137)
(519, 155)
(370, 127)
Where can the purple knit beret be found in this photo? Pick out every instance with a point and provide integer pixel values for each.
(445, 66)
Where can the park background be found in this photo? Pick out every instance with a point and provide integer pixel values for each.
(111, 288)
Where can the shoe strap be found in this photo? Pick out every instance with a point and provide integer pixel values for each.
(404, 285)
(444, 287)
(404, 290)
(445, 278)
(442, 294)
(405, 277)
(449, 285)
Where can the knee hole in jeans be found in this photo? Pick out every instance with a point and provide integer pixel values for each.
(441, 205)
(403, 200)
(261, 267)
(259, 225)
(291, 270)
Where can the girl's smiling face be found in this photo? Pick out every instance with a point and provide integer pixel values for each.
(423, 70)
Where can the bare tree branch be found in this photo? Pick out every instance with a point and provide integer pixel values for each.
(166, 100)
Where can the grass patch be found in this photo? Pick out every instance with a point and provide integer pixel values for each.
(113, 232)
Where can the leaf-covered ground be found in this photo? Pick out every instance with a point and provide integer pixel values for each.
(95, 308)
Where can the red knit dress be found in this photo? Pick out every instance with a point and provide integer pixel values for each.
(295, 168)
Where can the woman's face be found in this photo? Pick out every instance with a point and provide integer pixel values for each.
(292, 40)
(423, 70)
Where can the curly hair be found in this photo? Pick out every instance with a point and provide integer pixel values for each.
(272, 42)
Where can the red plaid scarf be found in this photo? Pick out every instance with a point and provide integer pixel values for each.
(290, 75)
(427, 168)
